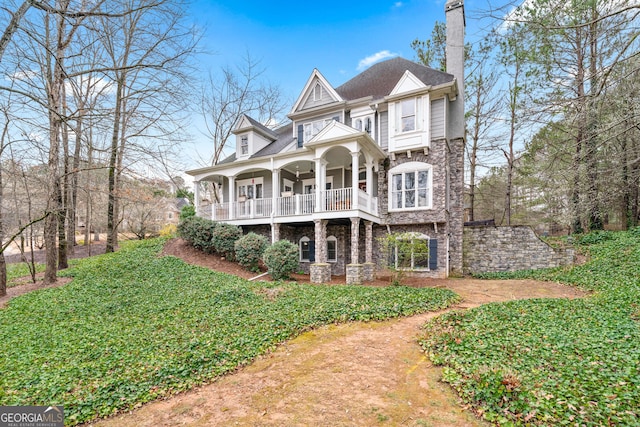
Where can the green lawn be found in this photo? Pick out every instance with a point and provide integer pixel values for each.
(553, 362)
(133, 326)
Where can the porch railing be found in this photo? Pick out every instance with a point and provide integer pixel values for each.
(335, 200)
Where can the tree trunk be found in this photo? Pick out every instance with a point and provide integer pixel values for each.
(112, 204)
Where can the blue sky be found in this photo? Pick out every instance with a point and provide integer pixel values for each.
(291, 38)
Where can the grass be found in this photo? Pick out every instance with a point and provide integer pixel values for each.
(553, 362)
(134, 326)
(19, 270)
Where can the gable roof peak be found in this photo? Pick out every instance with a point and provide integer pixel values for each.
(316, 75)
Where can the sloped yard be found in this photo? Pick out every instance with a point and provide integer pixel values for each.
(133, 327)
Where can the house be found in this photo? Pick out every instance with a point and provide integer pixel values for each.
(380, 153)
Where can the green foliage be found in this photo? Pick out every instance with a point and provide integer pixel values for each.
(249, 249)
(281, 259)
(553, 361)
(224, 238)
(133, 327)
(185, 193)
(198, 232)
(187, 211)
(19, 270)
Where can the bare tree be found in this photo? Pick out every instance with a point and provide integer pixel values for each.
(235, 92)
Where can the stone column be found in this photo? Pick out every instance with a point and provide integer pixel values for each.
(355, 240)
(369, 270)
(320, 270)
(275, 232)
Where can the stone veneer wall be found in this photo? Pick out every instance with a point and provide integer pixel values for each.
(495, 249)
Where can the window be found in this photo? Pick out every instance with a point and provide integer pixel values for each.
(408, 115)
(358, 124)
(367, 125)
(311, 129)
(412, 253)
(332, 249)
(244, 145)
(410, 186)
(307, 253)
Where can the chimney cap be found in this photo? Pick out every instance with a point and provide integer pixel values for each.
(453, 5)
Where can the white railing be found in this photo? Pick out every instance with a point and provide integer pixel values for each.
(335, 200)
(220, 212)
(338, 199)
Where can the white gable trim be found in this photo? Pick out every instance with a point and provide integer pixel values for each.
(308, 90)
(334, 130)
(407, 83)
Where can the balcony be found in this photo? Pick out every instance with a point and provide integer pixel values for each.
(297, 206)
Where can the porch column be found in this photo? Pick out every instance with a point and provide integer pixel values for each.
(275, 232)
(232, 197)
(368, 254)
(369, 166)
(320, 270)
(321, 179)
(196, 196)
(355, 240)
(354, 180)
(369, 268)
(275, 185)
(355, 269)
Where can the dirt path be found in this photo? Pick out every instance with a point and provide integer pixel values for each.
(357, 374)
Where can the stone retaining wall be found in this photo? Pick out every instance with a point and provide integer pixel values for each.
(495, 249)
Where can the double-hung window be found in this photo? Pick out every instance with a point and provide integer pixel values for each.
(408, 115)
(244, 145)
(410, 186)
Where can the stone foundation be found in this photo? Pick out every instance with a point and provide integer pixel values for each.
(320, 272)
(355, 274)
(369, 271)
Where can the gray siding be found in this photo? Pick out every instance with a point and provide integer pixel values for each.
(310, 103)
(384, 130)
(437, 118)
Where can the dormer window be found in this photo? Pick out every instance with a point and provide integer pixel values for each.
(358, 124)
(408, 115)
(317, 92)
(244, 145)
(367, 125)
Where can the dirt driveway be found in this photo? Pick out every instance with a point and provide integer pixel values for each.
(357, 374)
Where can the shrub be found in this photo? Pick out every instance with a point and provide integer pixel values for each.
(168, 230)
(198, 232)
(187, 211)
(281, 259)
(224, 238)
(249, 250)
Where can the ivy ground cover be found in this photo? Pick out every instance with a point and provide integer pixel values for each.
(553, 362)
(133, 327)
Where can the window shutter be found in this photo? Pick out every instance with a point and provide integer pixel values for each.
(312, 251)
(433, 254)
(300, 135)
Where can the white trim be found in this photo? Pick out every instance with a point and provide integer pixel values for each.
(332, 239)
(303, 239)
(305, 91)
(403, 170)
(415, 236)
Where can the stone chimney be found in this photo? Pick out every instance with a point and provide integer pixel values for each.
(454, 12)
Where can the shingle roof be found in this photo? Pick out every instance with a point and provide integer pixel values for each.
(380, 79)
(260, 126)
(284, 138)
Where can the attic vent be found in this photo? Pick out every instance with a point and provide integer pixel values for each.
(317, 92)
